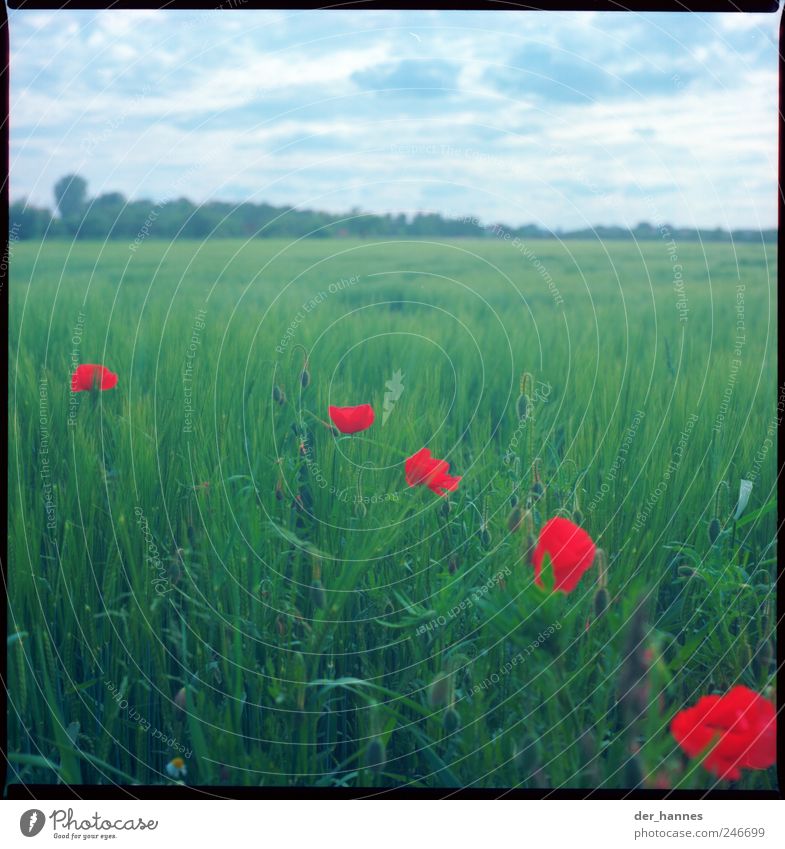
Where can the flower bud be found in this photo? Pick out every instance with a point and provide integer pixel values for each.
(514, 519)
(601, 561)
(714, 530)
(180, 698)
(439, 691)
(601, 601)
(522, 406)
(318, 595)
(577, 516)
(360, 510)
(279, 396)
(375, 755)
(451, 721)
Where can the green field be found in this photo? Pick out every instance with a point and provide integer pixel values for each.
(330, 625)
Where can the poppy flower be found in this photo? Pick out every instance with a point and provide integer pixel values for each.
(423, 468)
(352, 419)
(88, 377)
(740, 727)
(570, 549)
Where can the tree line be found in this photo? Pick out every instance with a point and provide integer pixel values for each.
(112, 216)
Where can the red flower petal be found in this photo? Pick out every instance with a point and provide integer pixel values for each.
(88, 377)
(352, 419)
(571, 551)
(743, 725)
(423, 468)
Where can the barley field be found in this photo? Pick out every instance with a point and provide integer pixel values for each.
(209, 584)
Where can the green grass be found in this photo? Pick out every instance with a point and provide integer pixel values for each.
(309, 638)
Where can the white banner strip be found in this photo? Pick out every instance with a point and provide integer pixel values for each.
(392, 824)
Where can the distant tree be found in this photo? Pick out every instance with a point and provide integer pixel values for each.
(71, 196)
(27, 222)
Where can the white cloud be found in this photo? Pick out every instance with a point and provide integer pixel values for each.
(275, 94)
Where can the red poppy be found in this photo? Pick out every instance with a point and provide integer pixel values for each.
(740, 726)
(570, 549)
(352, 419)
(88, 377)
(423, 468)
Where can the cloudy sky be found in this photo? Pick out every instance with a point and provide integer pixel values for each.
(563, 120)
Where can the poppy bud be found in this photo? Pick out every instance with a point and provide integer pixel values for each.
(514, 499)
(318, 595)
(522, 405)
(444, 508)
(686, 571)
(279, 396)
(537, 490)
(360, 510)
(485, 537)
(601, 601)
(601, 561)
(375, 756)
(452, 566)
(180, 698)
(439, 691)
(305, 378)
(714, 530)
(514, 519)
(451, 721)
(577, 516)
(280, 626)
(279, 489)
(764, 656)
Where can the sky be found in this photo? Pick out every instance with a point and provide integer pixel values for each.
(564, 120)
